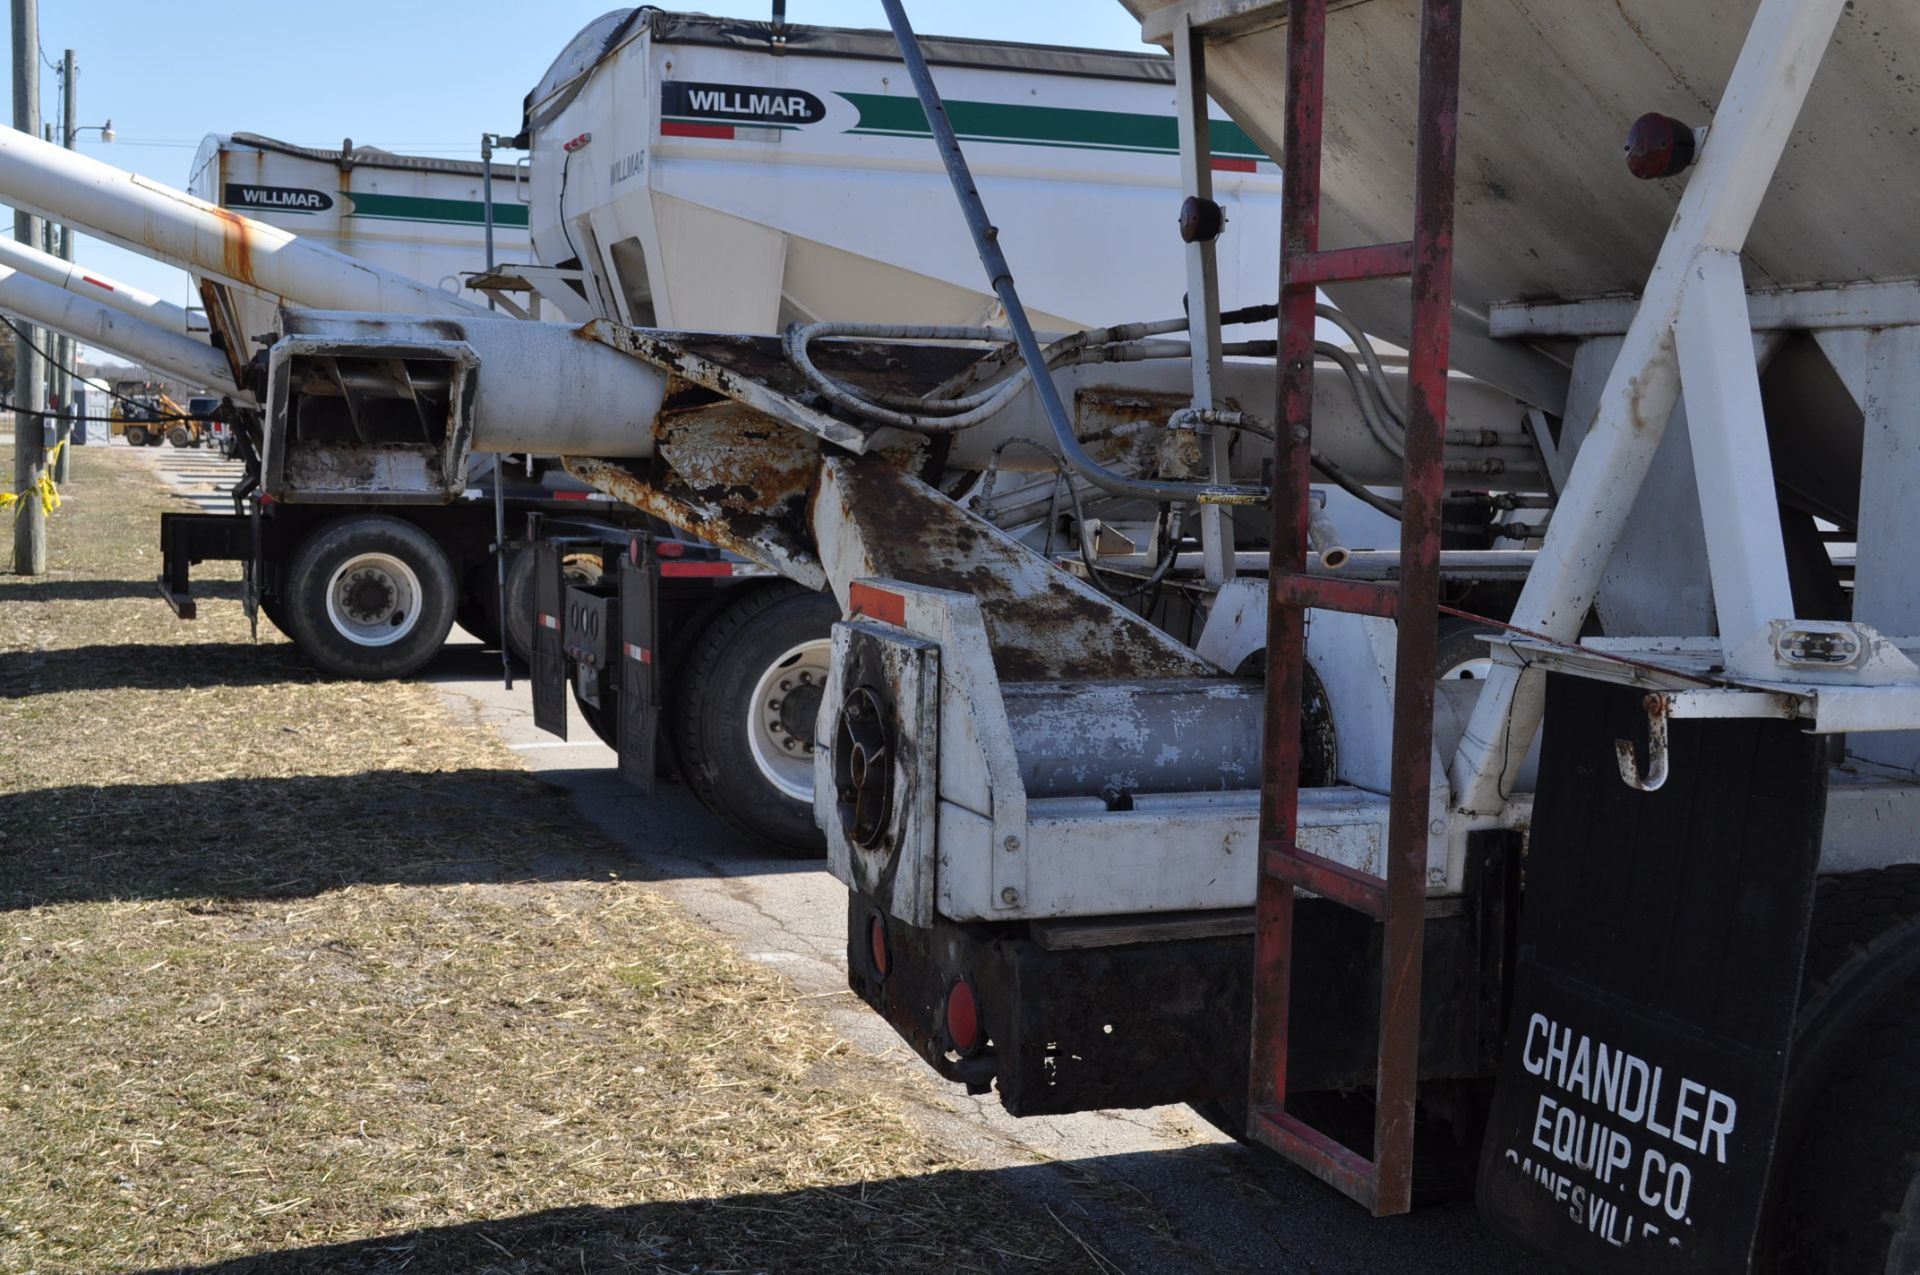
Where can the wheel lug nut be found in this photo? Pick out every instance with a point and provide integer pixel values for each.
(785, 684)
(806, 677)
(775, 704)
(775, 727)
(787, 744)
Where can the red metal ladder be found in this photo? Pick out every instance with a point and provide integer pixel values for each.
(1398, 901)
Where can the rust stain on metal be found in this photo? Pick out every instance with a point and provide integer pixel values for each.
(762, 538)
(221, 319)
(1044, 625)
(236, 245)
(763, 359)
(736, 458)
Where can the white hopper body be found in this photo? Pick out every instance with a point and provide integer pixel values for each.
(416, 215)
(1546, 206)
(715, 183)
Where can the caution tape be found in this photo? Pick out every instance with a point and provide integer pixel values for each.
(42, 486)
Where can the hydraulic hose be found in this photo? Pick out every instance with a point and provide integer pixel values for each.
(986, 243)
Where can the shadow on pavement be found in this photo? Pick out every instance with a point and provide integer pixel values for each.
(163, 666)
(24, 589)
(297, 836)
(1063, 1217)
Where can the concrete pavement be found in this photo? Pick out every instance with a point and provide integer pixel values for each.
(1155, 1191)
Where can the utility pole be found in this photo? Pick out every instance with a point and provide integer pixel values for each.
(65, 346)
(29, 444)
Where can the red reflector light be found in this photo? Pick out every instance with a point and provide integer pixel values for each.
(1659, 146)
(577, 143)
(669, 549)
(963, 1018)
(878, 604)
(877, 944)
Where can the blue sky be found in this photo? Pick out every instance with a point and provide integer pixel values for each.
(423, 76)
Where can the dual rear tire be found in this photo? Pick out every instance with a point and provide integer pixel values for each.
(369, 597)
(1847, 1168)
(744, 723)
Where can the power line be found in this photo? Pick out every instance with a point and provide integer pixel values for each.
(104, 388)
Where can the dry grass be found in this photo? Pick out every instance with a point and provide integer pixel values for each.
(311, 976)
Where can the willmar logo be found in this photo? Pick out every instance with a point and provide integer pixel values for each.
(739, 103)
(277, 198)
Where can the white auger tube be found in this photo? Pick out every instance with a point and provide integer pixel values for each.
(157, 221)
(94, 286)
(96, 324)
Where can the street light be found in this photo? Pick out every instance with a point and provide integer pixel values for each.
(105, 130)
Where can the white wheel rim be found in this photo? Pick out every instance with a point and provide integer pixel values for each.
(1469, 671)
(786, 761)
(374, 599)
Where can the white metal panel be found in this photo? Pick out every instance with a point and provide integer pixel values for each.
(1168, 854)
(1886, 581)
(1082, 174)
(1548, 88)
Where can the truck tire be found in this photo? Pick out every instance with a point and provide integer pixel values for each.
(752, 687)
(136, 435)
(600, 719)
(180, 436)
(1852, 1200)
(369, 597)
(477, 619)
(478, 611)
(1459, 654)
(1846, 1189)
(518, 626)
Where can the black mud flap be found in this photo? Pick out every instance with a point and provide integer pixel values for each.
(549, 653)
(1661, 940)
(639, 698)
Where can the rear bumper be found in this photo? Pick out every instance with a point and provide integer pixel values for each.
(1137, 1025)
(1142, 1024)
(186, 539)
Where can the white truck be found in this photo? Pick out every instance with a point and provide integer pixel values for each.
(679, 207)
(1623, 924)
(698, 173)
(362, 595)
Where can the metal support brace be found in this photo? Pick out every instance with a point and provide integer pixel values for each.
(1885, 380)
(1731, 464)
(1750, 129)
(1203, 293)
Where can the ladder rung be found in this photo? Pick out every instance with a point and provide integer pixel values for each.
(1349, 265)
(1330, 594)
(1339, 1167)
(1350, 887)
